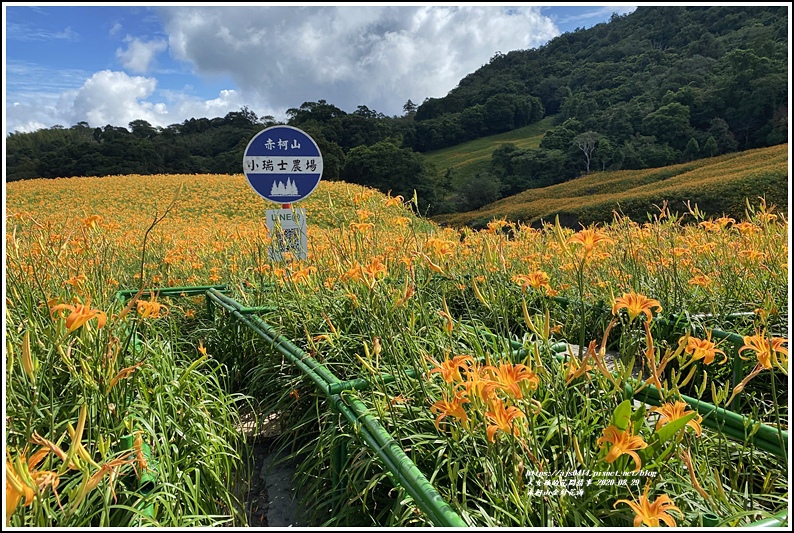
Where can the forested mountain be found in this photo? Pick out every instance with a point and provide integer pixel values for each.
(659, 86)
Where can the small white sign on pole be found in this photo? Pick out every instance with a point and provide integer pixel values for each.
(287, 229)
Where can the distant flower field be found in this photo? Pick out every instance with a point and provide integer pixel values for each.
(126, 411)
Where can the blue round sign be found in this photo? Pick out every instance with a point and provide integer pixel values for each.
(283, 164)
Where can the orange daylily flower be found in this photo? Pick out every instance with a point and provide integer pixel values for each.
(151, 309)
(376, 268)
(453, 408)
(746, 227)
(397, 200)
(15, 491)
(477, 384)
(450, 368)
(23, 480)
(622, 442)
(508, 377)
(354, 273)
(635, 304)
(361, 227)
(766, 351)
(496, 225)
(363, 215)
(441, 247)
(361, 197)
(651, 513)
(302, 274)
(504, 419)
(702, 349)
(701, 281)
(671, 411)
(80, 314)
(753, 255)
(589, 238)
(536, 280)
(77, 280)
(92, 221)
(124, 373)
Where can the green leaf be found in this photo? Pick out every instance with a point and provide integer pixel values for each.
(622, 415)
(638, 417)
(550, 433)
(671, 428)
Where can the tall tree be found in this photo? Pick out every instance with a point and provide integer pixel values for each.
(587, 143)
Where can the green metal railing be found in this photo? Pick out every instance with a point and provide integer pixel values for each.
(405, 473)
(126, 294)
(742, 428)
(771, 439)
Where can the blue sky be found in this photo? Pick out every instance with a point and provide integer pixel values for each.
(165, 63)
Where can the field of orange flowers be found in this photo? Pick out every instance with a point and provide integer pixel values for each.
(516, 353)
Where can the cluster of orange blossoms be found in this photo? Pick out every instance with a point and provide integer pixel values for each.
(474, 382)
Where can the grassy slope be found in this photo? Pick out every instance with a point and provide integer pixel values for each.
(470, 157)
(716, 185)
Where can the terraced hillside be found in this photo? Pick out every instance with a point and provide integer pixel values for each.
(718, 185)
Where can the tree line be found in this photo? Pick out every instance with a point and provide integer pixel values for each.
(659, 86)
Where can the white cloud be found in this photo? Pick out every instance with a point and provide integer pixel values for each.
(109, 97)
(277, 57)
(28, 32)
(280, 57)
(185, 107)
(139, 55)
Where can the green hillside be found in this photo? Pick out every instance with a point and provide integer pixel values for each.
(468, 158)
(718, 185)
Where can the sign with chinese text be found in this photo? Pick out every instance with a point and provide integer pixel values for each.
(283, 164)
(287, 228)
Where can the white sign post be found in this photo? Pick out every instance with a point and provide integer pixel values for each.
(287, 228)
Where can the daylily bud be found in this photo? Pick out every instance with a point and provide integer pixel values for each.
(27, 358)
(376, 346)
(10, 352)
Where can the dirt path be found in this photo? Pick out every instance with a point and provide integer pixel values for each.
(269, 495)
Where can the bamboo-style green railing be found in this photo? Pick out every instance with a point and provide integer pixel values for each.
(406, 473)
